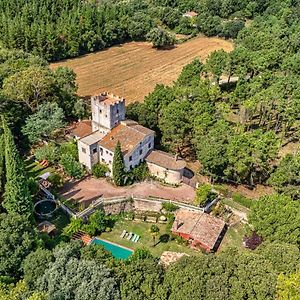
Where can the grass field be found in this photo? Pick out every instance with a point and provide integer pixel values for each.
(133, 69)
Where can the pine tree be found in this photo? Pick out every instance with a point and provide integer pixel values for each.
(118, 168)
(17, 198)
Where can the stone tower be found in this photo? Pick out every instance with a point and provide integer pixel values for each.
(108, 111)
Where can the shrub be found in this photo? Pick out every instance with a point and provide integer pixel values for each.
(99, 170)
(56, 180)
(160, 38)
(69, 148)
(204, 195)
(71, 166)
(33, 186)
(48, 152)
(141, 172)
(169, 206)
(171, 219)
(97, 223)
(73, 227)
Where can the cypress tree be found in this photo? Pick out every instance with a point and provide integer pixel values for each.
(17, 198)
(118, 167)
(2, 168)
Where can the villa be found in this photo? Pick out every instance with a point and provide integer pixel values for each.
(98, 138)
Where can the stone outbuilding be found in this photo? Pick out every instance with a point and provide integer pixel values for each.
(165, 166)
(199, 229)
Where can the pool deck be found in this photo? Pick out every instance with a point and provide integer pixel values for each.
(107, 241)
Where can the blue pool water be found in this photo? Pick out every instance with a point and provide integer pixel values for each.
(116, 251)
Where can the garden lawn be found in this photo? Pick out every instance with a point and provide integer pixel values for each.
(34, 169)
(146, 239)
(234, 237)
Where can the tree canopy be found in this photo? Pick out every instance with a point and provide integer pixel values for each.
(276, 218)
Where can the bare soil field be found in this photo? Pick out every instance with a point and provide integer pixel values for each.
(133, 69)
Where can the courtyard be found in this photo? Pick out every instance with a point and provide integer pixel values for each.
(88, 189)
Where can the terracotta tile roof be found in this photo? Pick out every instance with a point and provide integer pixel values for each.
(200, 226)
(165, 160)
(82, 128)
(108, 98)
(129, 133)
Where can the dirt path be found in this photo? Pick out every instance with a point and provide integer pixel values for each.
(90, 189)
(133, 69)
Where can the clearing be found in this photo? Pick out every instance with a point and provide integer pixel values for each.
(146, 240)
(133, 69)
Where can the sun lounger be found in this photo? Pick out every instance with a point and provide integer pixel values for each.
(129, 236)
(126, 235)
(137, 238)
(123, 234)
(133, 237)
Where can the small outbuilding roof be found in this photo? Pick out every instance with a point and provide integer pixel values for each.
(165, 160)
(46, 227)
(82, 129)
(199, 226)
(92, 138)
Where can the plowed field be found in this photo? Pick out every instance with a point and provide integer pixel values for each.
(133, 69)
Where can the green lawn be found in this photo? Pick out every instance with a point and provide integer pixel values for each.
(34, 169)
(146, 240)
(234, 237)
(235, 205)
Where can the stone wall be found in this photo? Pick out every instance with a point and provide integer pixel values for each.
(143, 205)
(118, 207)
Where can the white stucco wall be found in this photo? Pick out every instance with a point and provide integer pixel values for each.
(169, 176)
(105, 115)
(89, 157)
(135, 157)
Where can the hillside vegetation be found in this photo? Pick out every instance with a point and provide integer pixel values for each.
(57, 29)
(236, 128)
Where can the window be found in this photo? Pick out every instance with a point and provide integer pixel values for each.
(105, 116)
(101, 151)
(117, 111)
(94, 150)
(100, 110)
(149, 145)
(106, 152)
(103, 160)
(83, 150)
(130, 167)
(141, 151)
(110, 154)
(130, 158)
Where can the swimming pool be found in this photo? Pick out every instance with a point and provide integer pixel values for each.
(116, 250)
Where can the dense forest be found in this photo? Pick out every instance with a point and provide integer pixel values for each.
(57, 29)
(234, 113)
(237, 110)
